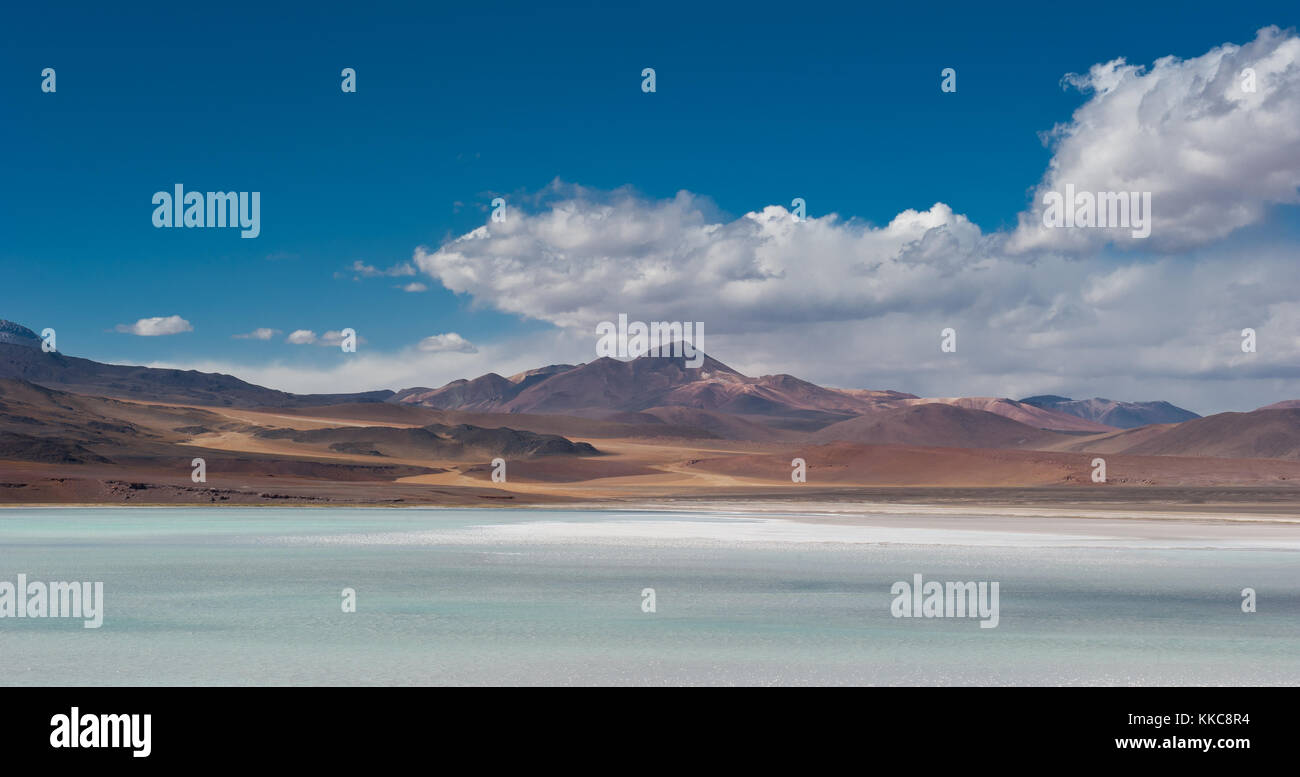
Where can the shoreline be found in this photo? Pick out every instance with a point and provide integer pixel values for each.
(791, 524)
(1016, 504)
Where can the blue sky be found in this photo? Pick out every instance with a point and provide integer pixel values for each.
(756, 104)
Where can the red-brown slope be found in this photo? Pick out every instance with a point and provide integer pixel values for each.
(1037, 417)
(937, 424)
(1259, 434)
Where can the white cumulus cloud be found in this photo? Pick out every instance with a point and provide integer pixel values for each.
(445, 343)
(158, 325)
(362, 270)
(1214, 155)
(261, 333)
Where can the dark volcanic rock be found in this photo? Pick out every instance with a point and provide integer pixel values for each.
(435, 441)
(24, 447)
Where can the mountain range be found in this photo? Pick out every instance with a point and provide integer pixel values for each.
(1122, 415)
(73, 429)
(613, 389)
(602, 388)
(21, 358)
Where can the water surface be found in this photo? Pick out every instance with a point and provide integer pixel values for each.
(235, 596)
